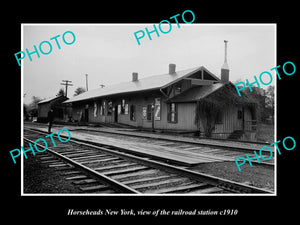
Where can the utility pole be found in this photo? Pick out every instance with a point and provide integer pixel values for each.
(86, 82)
(67, 84)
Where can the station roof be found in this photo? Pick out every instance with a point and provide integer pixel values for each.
(51, 99)
(217, 92)
(143, 84)
(196, 93)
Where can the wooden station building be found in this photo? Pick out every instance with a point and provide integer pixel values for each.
(191, 100)
(54, 103)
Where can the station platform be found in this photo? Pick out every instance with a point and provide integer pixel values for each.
(148, 149)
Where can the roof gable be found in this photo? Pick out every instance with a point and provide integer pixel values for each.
(52, 99)
(204, 74)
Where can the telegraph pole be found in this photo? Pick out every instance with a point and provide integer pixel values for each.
(86, 82)
(67, 83)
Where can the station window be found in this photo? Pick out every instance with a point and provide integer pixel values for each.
(103, 108)
(123, 106)
(172, 113)
(149, 112)
(177, 89)
(109, 108)
(132, 112)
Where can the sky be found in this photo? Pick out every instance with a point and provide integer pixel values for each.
(109, 53)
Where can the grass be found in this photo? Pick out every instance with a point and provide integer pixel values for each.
(265, 132)
(258, 175)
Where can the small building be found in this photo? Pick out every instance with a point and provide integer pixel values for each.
(55, 103)
(191, 100)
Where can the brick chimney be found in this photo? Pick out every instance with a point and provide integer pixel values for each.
(172, 68)
(225, 68)
(134, 77)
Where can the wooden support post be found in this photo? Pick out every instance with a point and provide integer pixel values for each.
(152, 116)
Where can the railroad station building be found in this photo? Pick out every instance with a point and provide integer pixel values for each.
(54, 103)
(192, 101)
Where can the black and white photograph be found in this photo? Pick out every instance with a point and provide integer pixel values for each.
(157, 113)
(160, 117)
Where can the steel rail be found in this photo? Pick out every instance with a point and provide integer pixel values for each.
(236, 148)
(157, 157)
(216, 181)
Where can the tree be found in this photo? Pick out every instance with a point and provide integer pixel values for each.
(61, 92)
(79, 91)
(270, 97)
(25, 113)
(32, 108)
(238, 80)
(34, 102)
(270, 100)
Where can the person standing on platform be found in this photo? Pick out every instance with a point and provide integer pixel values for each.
(50, 119)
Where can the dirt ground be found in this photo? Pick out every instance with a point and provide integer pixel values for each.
(39, 178)
(258, 175)
(265, 133)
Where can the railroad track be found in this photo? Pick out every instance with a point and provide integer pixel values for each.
(102, 169)
(227, 151)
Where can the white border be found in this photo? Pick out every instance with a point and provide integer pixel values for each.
(22, 112)
(133, 195)
(275, 116)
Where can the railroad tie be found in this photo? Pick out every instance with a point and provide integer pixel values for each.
(208, 190)
(94, 188)
(183, 188)
(127, 170)
(85, 181)
(76, 177)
